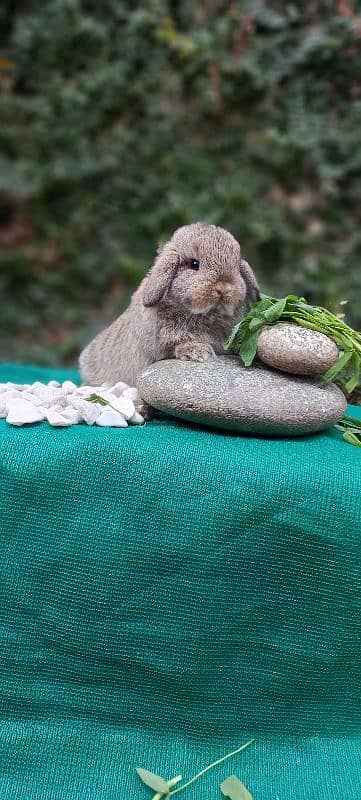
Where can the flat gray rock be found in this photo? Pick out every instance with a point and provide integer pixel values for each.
(294, 349)
(221, 393)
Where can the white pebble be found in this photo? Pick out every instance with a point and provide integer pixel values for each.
(111, 418)
(60, 397)
(136, 419)
(72, 414)
(105, 394)
(68, 386)
(65, 404)
(132, 394)
(119, 388)
(5, 387)
(44, 392)
(89, 412)
(32, 398)
(57, 420)
(85, 390)
(10, 394)
(123, 405)
(72, 397)
(21, 412)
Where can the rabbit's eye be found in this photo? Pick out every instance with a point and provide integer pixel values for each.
(194, 264)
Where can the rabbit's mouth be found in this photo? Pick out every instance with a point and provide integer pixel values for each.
(220, 299)
(201, 311)
(225, 309)
(217, 309)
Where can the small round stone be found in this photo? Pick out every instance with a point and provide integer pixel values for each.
(221, 393)
(297, 350)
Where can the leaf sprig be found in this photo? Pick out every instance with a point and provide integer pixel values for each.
(96, 398)
(351, 430)
(162, 786)
(244, 336)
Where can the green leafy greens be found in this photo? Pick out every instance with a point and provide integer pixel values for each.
(244, 336)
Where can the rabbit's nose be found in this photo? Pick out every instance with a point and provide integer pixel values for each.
(223, 291)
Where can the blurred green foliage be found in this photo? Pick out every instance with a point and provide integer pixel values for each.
(121, 120)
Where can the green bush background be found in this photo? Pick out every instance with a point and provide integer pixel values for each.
(122, 120)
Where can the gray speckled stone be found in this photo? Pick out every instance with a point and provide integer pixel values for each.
(294, 349)
(222, 393)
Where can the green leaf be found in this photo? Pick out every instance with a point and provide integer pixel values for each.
(233, 336)
(306, 307)
(153, 781)
(95, 398)
(354, 422)
(274, 312)
(354, 381)
(351, 430)
(292, 298)
(248, 349)
(331, 373)
(256, 322)
(352, 438)
(264, 303)
(233, 788)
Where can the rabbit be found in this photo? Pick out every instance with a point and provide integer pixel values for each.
(184, 308)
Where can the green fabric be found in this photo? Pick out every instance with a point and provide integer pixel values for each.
(169, 592)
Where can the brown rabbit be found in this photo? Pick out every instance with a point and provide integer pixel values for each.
(184, 308)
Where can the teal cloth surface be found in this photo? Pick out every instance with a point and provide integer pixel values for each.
(168, 593)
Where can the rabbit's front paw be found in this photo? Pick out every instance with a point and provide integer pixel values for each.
(194, 351)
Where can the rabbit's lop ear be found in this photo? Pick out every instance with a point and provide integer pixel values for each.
(253, 290)
(161, 275)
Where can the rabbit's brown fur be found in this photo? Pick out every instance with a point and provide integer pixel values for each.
(179, 310)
